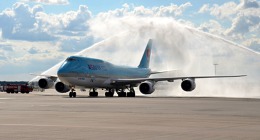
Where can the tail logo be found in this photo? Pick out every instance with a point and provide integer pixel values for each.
(144, 63)
(148, 53)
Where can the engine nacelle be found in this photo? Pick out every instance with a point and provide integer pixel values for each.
(188, 85)
(45, 83)
(61, 87)
(146, 87)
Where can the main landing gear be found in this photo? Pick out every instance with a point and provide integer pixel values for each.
(73, 93)
(93, 93)
(122, 93)
(109, 93)
(131, 93)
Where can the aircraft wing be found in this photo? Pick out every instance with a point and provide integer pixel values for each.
(53, 77)
(44, 75)
(159, 72)
(169, 79)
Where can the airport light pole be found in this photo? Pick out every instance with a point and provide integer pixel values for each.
(215, 68)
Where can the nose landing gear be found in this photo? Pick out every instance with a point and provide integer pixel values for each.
(72, 93)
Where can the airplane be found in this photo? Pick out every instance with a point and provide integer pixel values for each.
(92, 73)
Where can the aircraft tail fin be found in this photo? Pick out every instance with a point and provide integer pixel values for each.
(144, 63)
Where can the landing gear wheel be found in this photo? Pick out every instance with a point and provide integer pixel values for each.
(109, 93)
(70, 94)
(121, 94)
(130, 94)
(74, 94)
(93, 94)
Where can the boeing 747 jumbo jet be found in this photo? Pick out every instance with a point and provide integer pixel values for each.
(84, 72)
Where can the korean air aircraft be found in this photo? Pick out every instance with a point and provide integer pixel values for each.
(92, 73)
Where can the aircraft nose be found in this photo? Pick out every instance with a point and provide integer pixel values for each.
(63, 74)
(62, 71)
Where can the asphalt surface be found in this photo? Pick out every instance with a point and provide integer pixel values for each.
(46, 116)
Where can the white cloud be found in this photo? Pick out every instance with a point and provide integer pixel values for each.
(213, 27)
(253, 43)
(246, 22)
(37, 8)
(204, 8)
(76, 21)
(72, 23)
(51, 2)
(71, 44)
(244, 4)
(23, 22)
(19, 23)
(20, 57)
(162, 11)
(186, 22)
(33, 40)
(223, 11)
(172, 10)
(243, 17)
(229, 9)
(18, 49)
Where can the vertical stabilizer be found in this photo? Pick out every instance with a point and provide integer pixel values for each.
(146, 56)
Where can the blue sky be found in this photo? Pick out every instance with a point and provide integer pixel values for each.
(38, 35)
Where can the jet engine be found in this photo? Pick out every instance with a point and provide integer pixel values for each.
(188, 84)
(62, 88)
(146, 87)
(45, 83)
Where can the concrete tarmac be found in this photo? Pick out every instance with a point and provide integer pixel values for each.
(51, 116)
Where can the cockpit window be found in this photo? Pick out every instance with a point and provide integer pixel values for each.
(71, 59)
